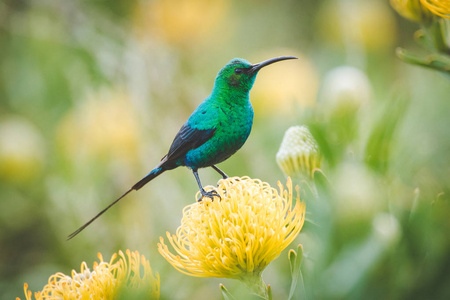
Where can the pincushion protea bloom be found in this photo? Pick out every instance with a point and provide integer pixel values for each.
(438, 7)
(105, 281)
(237, 236)
(299, 153)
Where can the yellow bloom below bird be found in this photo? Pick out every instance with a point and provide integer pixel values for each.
(239, 235)
(131, 274)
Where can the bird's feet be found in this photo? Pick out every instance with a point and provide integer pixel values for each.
(209, 194)
(222, 173)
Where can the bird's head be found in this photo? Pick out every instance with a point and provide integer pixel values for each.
(240, 74)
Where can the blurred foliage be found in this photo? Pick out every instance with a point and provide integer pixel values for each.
(434, 34)
(93, 92)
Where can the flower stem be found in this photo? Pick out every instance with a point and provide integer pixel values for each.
(256, 284)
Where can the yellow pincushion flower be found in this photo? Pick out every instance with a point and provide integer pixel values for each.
(105, 281)
(438, 7)
(237, 236)
(299, 153)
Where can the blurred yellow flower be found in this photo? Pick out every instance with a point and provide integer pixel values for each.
(299, 153)
(21, 150)
(438, 7)
(182, 22)
(103, 126)
(354, 24)
(237, 236)
(412, 10)
(282, 87)
(129, 274)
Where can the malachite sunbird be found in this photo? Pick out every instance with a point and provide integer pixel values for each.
(216, 129)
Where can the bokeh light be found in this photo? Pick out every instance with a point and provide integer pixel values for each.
(286, 86)
(22, 150)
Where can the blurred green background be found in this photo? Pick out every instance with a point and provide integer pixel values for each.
(93, 92)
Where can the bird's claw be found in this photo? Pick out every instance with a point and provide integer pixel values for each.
(209, 194)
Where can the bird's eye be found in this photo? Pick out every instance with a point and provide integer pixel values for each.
(238, 71)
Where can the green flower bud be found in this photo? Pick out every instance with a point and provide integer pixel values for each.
(299, 154)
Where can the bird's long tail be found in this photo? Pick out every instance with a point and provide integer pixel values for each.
(155, 172)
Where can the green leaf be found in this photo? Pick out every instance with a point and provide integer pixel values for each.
(322, 183)
(292, 255)
(269, 292)
(438, 33)
(226, 294)
(414, 203)
(295, 261)
(380, 143)
(433, 61)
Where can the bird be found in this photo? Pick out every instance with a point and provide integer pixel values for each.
(216, 129)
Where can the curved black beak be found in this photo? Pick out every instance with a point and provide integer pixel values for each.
(256, 67)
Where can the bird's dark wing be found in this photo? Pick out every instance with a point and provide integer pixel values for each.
(188, 138)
